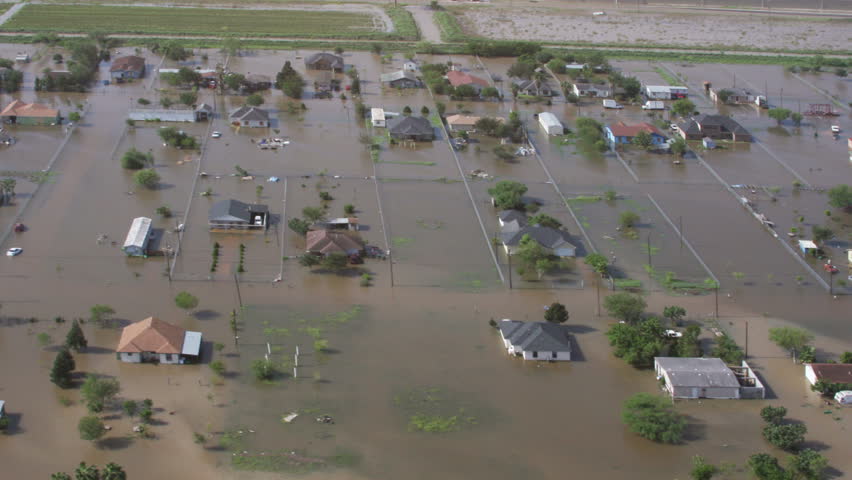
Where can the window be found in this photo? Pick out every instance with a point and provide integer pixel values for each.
(552, 354)
(535, 354)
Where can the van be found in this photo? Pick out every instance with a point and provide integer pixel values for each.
(611, 104)
(654, 105)
(843, 397)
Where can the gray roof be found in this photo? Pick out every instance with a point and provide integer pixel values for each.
(536, 336)
(336, 62)
(736, 91)
(512, 215)
(727, 124)
(410, 125)
(250, 113)
(137, 236)
(204, 107)
(697, 372)
(231, 210)
(399, 74)
(545, 236)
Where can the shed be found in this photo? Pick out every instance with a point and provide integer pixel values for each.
(550, 124)
(410, 66)
(136, 243)
(176, 114)
(843, 397)
(665, 92)
(2, 408)
(377, 117)
(707, 378)
(536, 340)
(23, 113)
(807, 246)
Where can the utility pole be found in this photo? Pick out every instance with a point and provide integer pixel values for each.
(390, 260)
(649, 254)
(680, 229)
(717, 301)
(239, 296)
(510, 270)
(746, 340)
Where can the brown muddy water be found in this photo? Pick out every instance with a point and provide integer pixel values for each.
(421, 347)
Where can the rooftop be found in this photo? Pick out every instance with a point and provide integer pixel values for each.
(250, 113)
(545, 236)
(621, 129)
(130, 62)
(833, 372)
(410, 125)
(332, 241)
(231, 210)
(536, 336)
(151, 335)
(697, 372)
(399, 74)
(22, 109)
(458, 78)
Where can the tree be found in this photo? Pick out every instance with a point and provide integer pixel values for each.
(643, 139)
(113, 471)
(349, 209)
(490, 92)
(98, 391)
(797, 118)
(508, 195)
(846, 357)
(148, 178)
(254, 100)
(233, 81)
(637, 344)
(534, 257)
(7, 189)
(309, 260)
(289, 81)
(86, 472)
(130, 407)
(186, 301)
(466, 91)
(313, 214)
(335, 261)
(188, 98)
(299, 226)
(63, 365)
(441, 108)
(723, 95)
(218, 367)
(773, 415)
(808, 464)
(787, 436)
(175, 51)
(683, 107)
(75, 340)
(135, 160)
(625, 306)
(841, 197)
(628, 219)
(263, 369)
(821, 234)
(424, 111)
(60, 476)
(556, 313)
(765, 467)
(545, 220)
(232, 46)
(779, 114)
(74, 117)
(674, 313)
(164, 211)
(406, 110)
(790, 339)
(100, 314)
(598, 262)
(727, 350)
(701, 470)
(688, 345)
(653, 418)
(91, 428)
(679, 147)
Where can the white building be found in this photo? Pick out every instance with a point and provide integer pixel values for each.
(536, 340)
(707, 378)
(153, 340)
(550, 124)
(377, 117)
(665, 92)
(136, 243)
(829, 372)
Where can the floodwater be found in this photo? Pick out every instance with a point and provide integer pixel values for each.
(422, 326)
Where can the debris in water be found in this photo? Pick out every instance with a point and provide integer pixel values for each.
(289, 418)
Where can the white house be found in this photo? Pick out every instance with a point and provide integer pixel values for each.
(550, 124)
(136, 243)
(707, 378)
(410, 66)
(153, 340)
(665, 92)
(552, 240)
(377, 117)
(536, 340)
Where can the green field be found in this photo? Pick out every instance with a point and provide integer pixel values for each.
(4, 7)
(200, 21)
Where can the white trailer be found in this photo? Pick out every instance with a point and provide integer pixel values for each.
(609, 103)
(844, 397)
(654, 105)
(550, 124)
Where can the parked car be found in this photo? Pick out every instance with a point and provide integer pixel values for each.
(216, 134)
(14, 251)
(835, 129)
(673, 334)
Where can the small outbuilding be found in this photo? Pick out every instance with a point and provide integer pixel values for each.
(324, 61)
(233, 214)
(550, 124)
(136, 243)
(808, 246)
(536, 340)
(153, 340)
(707, 378)
(251, 117)
(665, 92)
(377, 117)
(459, 123)
(129, 67)
(411, 128)
(843, 397)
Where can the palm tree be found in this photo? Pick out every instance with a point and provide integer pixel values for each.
(7, 188)
(113, 471)
(86, 472)
(539, 77)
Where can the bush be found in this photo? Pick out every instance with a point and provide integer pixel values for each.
(653, 418)
(148, 178)
(786, 436)
(218, 366)
(773, 415)
(625, 306)
(135, 160)
(91, 428)
(263, 369)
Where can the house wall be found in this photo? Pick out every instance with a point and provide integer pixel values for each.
(548, 356)
(134, 251)
(565, 252)
(130, 357)
(810, 374)
(162, 115)
(403, 83)
(169, 358)
(37, 120)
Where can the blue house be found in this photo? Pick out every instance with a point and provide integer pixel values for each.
(623, 134)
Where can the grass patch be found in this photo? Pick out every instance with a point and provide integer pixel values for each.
(401, 241)
(4, 7)
(435, 119)
(293, 461)
(667, 76)
(430, 224)
(582, 199)
(627, 284)
(402, 162)
(432, 410)
(33, 177)
(198, 21)
(451, 31)
(403, 23)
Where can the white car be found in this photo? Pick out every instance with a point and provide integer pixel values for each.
(673, 127)
(835, 129)
(216, 134)
(673, 334)
(14, 251)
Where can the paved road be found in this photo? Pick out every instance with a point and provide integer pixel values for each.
(10, 12)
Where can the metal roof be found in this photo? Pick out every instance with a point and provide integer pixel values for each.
(191, 343)
(545, 236)
(536, 336)
(399, 74)
(697, 372)
(548, 119)
(140, 229)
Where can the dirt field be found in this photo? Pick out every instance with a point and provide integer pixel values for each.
(657, 28)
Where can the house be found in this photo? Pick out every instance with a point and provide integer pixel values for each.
(550, 124)
(153, 340)
(203, 112)
(410, 66)
(457, 79)
(554, 241)
(591, 90)
(737, 96)
(622, 134)
(717, 127)
(534, 88)
(707, 378)
(400, 79)
(233, 214)
(840, 373)
(511, 220)
(256, 81)
(461, 123)
(22, 113)
(2, 408)
(324, 61)
(411, 128)
(536, 340)
(129, 67)
(175, 113)
(136, 243)
(377, 117)
(665, 92)
(247, 116)
(325, 242)
(575, 66)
